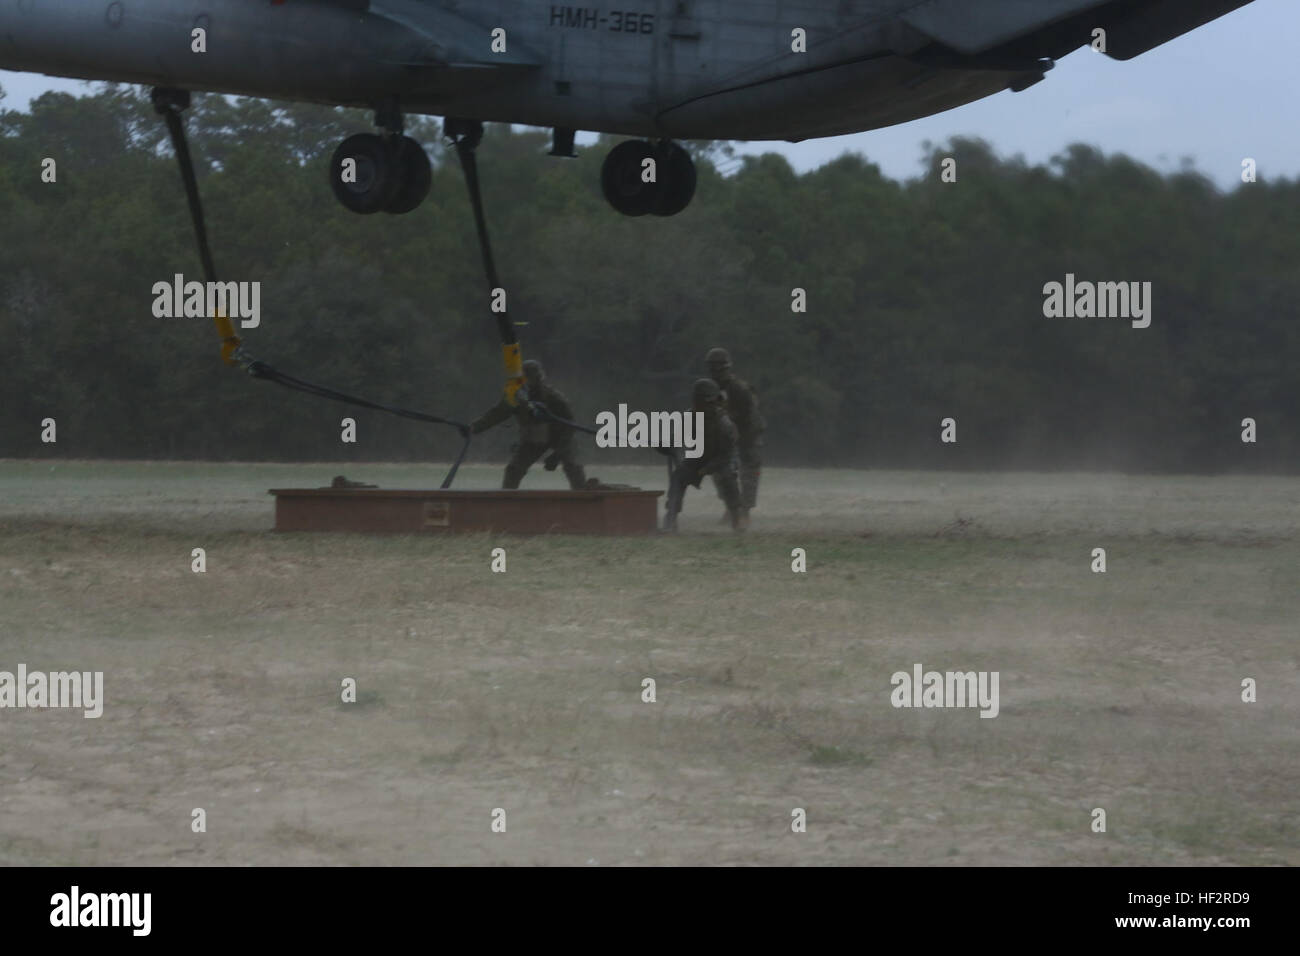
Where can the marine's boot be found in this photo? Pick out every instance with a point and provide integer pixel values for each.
(576, 474)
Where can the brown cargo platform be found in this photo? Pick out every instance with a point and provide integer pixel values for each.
(441, 512)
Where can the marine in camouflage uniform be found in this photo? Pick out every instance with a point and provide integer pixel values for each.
(742, 409)
(718, 458)
(537, 435)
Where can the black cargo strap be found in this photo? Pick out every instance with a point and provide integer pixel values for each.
(262, 370)
(170, 103)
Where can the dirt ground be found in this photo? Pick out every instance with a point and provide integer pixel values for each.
(523, 691)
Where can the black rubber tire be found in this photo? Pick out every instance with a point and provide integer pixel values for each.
(377, 172)
(620, 179)
(677, 180)
(414, 176)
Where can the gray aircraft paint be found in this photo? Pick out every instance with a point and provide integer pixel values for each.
(712, 69)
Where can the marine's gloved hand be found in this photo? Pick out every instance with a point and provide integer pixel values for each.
(552, 461)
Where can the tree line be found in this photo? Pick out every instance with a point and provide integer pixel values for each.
(923, 299)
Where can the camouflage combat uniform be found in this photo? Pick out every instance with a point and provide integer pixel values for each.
(742, 409)
(536, 435)
(719, 458)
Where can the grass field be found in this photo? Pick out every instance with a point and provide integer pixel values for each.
(522, 690)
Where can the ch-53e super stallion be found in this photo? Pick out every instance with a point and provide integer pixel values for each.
(658, 70)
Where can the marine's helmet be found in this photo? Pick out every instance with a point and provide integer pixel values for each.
(718, 360)
(705, 391)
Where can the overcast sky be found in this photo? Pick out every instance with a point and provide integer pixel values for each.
(1224, 92)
